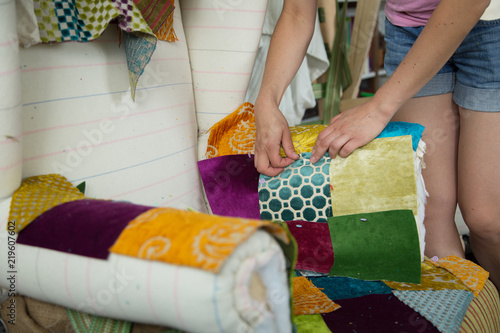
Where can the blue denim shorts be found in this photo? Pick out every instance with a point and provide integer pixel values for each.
(472, 74)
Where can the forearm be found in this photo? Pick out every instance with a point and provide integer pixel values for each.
(448, 26)
(289, 43)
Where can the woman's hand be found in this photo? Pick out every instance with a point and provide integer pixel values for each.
(272, 134)
(349, 130)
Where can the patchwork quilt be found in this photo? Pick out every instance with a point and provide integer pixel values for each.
(320, 248)
(358, 224)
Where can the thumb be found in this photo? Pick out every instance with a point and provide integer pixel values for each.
(288, 147)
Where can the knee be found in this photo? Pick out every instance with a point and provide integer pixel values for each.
(483, 224)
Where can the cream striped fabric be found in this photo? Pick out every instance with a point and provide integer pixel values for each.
(223, 37)
(79, 120)
(158, 293)
(483, 315)
(10, 101)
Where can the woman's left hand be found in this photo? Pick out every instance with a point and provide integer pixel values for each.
(349, 130)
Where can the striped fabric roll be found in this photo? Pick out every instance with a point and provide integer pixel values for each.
(223, 38)
(10, 101)
(483, 315)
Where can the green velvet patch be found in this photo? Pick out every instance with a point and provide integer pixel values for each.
(376, 246)
(81, 187)
(310, 324)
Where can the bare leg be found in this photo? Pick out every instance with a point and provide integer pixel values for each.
(439, 115)
(479, 186)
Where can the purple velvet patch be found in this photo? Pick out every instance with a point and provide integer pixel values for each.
(315, 250)
(231, 184)
(85, 227)
(376, 314)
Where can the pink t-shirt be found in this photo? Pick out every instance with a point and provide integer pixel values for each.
(410, 13)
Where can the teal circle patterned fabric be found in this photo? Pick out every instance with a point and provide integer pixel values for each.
(300, 192)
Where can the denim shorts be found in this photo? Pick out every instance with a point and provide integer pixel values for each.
(472, 74)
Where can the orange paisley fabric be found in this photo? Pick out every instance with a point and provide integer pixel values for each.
(188, 238)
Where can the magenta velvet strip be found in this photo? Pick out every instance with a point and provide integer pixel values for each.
(315, 250)
(85, 227)
(231, 185)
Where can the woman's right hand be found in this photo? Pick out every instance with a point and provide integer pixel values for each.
(272, 133)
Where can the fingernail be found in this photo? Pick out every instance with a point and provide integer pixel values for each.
(313, 159)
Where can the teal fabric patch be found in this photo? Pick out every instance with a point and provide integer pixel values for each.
(300, 192)
(445, 309)
(401, 128)
(338, 288)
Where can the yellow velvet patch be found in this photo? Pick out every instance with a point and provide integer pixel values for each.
(308, 299)
(38, 194)
(378, 177)
(304, 137)
(188, 238)
(235, 134)
(433, 278)
(167, 32)
(472, 275)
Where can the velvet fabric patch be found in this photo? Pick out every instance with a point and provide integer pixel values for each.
(300, 192)
(401, 128)
(339, 288)
(377, 314)
(84, 227)
(376, 246)
(310, 324)
(378, 177)
(315, 251)
(231, 185)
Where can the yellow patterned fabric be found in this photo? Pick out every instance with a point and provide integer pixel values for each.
(308, 299)
(167, 32)
(483, 314)
(379, 177)
(38, 194)
(472, 275)
(304, 137)
(433, 278)
(188, 238)
(235, 134)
